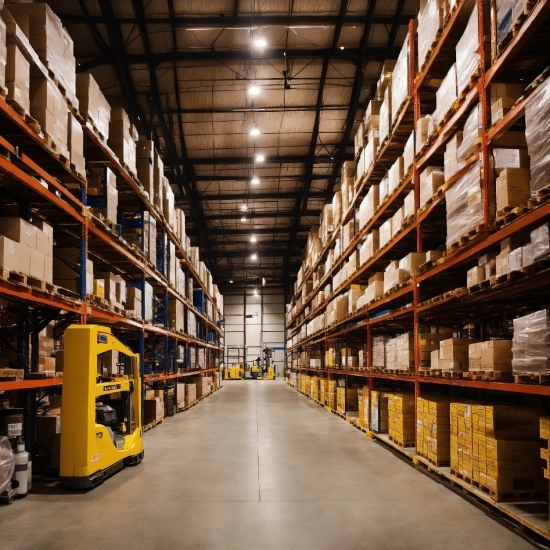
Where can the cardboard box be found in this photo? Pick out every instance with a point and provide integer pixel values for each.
(475, 276)
(512, 187)
(99, 288)
(9, 254)
(510, 158)
(18, 230)
(18, 77)
(153, 410)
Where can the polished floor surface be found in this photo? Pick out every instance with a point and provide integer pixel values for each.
(256, 466)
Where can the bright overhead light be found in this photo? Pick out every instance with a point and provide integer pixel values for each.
(260, 42)
(243, 219)
(255, 132)
(341, 47)
(255, 180)
(255, 292)
(244, 208)
(253, 239)
(254, 257)
(260, 157)
(254, 90)
(231, 281)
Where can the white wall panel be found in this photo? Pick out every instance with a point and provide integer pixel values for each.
(233, 309)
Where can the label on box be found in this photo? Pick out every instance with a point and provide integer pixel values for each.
(14, 430)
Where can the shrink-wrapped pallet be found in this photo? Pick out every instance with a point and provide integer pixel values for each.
(337, 208)
(467, 53)
(400, 81)
(470, 137)
(408, 154)
(379, 351)
(446, 95)
(368, 206)
(408, 206)
(537, 124)
(385, 118)
(430, 22)
(371, 148)
(395, 175)
(504, 15)
(540, 239)
(385, 232)
(531, 343)
(369, 247)
(372, 115)
(431, 179)
(464, 205)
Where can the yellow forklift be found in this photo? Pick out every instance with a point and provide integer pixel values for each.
(236, 372)
(101, 413)
(263, 370)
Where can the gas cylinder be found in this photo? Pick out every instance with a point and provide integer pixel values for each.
(21, 469)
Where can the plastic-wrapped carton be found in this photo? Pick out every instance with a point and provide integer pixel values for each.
(369, 247)
(430, 22)
(408, 205)
(450, 157)
(510, 158)
(395, 175)
(421, 134)
(540, 239)
(337, 208)
(537, 117)
(408, 154)
(400, 80)
(504, 17)
(431, 179)
(368, 206)
(531, 343)
(470, 137)
(385, 232)
(464, 205)
(512, 187)
(385, 117)
(372, 115)
(446, 94)
(467, 56)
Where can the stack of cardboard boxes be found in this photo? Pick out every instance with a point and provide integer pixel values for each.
(379, 412)
(122, 138)
(453, 355)
(493, 355)
(190, 394)
(203, 385)
(433, 429)
(92, 103)
(103, 190)
(27, 247)
(401, 419)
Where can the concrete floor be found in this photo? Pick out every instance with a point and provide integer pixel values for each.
(256, 466)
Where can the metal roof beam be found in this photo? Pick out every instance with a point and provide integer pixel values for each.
(287, 159)
(220, 231)
(278, 178)
(261, 253)
(267, 109)
(251, 216)
(256, 196)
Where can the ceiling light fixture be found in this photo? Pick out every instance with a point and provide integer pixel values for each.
(231, 281)
(243, 219)
(244, 208)
(341, 47)
(260, 158)
(254, 90)
(255, 132)
(253, 239)
(255, 292)
(260, 42)
(254, 257)
(255, 180)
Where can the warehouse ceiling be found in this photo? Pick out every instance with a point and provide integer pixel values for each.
(186, 69)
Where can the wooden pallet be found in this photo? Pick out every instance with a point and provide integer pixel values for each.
(400, 442)
(535, 267)
(516, 26)
(151, 425)
(465, 239)
(20, 110)
(522, 378)
(488, 376)
(509, 213)
(90, 124)
(431, 50)
(66, 293)
(400, 372)
(471, 83)
(436, 463)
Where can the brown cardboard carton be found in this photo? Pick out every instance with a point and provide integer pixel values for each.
(9, 257)
(18, 230)
(18, 77)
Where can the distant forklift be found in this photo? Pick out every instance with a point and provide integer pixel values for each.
(263, 370)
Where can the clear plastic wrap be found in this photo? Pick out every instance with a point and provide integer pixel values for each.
(7, 463)
(371, 148)
(446, 94)
(450, 157)
(518, 8)
(537, 123)
(368, 206)
(337, 208)
(360, 166)
(408, 205)
(372, 115)
(385, 117)
(467, 56)
(397, 222)
(470, 137)
(408, 154)
(504, 15)
(395, 175)
(370, 247)
(540, 239)
(3, 52)
(400, 80)
(430, 22)
(464, 205)
(531, 343)
(384, 189)
(385, 233)
(421, 134)
(431, 179)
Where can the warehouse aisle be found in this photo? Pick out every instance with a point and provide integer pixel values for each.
(257, 466)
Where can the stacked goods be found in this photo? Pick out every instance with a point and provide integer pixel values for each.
(374, 290)
(446, 95)
(323, 385)
(336, 209)
(431, 179)
(180, 395)
(401, 419)
(379, 412)
(461, 439)
(75, 144)
(531, 343)
(331, 395)
(471, 134)
(191, 328)
(408, 154)
(452, 355)
(467, 53)
(464, 205)
(176, 315)
(122, 138)
(537, 115)
(153, 410)
(114, 288)
(92, 104)
(341, 400)
(327, 224)
(315, 358)
(494, 355)
(503, 98)
(314, 388)
(450, 157)
(421, 134)
(430, 22)
(349, 357)
(145, 164)
(506, 450)
(394, 276)
(3, 53)
(347, 184)
(400, 81)
(365, 400)
(512, 187)
(190, 394)
(368, 206)
(16, 70)
(27, 247)
(383, 90)
(369, 247)
(433, 429)
(50, 40)
(379, 352)
(361, 405)
(66, 260)
(103, 195)
(429, 342)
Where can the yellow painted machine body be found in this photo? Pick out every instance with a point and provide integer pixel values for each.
(234, 373)
(270, 375)
(88, 452)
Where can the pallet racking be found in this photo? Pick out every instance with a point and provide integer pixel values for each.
(436, 294)
(45, 186)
